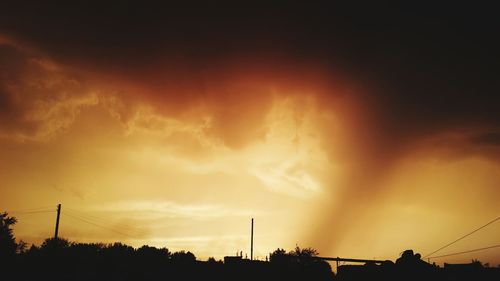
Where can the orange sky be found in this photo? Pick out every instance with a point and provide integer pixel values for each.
(183, 157)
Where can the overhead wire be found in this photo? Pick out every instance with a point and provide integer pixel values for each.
(466, 235)
(44, 208)
(120, 227)
(98, 225)
(33, 212)
(465, 252)
(101, 221)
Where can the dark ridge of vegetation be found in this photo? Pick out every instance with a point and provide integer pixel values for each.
(60, 259)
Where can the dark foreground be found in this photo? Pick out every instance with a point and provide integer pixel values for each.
(60, 260)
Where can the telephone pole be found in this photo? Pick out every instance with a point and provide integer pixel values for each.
(57, 221)
(251, 243)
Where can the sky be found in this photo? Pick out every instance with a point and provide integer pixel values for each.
(360, 131)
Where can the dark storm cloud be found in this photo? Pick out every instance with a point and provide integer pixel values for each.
(37, 98)
(428, 67)
(491, 139)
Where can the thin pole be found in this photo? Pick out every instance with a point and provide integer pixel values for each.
(251, 243)
(57, 221)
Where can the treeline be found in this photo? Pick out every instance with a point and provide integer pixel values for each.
(60, 259)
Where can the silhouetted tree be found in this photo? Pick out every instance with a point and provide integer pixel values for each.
(8, 246)
(33, 250)
(22, 247)
(297, 255)
(301, 264)
(477, 262)
(304, 252)
(152, 252)
(51, 244)
(278, 256)
(183, 257)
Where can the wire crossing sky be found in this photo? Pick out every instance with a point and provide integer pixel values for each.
(463, 237)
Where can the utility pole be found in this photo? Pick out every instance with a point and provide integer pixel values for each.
(251, 243)
(57, 221)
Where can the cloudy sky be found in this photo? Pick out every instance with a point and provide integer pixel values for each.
(360, 131)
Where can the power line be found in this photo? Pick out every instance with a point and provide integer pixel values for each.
(465, 252)
(105, 223)
(99, 219)
(31, 209)
(82, 213)
(33, 212)
(97, 225)
(466, 235)
(96, 220)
